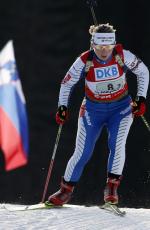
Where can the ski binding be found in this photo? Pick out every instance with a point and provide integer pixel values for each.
(113, 208)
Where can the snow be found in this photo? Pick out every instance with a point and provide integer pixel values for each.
(74, 217)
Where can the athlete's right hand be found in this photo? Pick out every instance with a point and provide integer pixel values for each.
(61, 115)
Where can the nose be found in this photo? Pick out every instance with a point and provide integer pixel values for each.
(104, 47)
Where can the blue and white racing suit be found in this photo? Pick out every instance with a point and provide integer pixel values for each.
(102, 106)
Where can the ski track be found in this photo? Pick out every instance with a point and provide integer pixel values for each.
(73, 218)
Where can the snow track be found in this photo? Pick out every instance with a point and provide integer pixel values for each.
(73, 218)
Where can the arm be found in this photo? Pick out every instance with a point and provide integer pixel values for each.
(142, 73)
(72, 77)
(140, 70)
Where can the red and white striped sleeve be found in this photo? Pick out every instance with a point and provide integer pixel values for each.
(140, 70)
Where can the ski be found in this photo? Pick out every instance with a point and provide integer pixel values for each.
(31, 207)
(113, 209)
(13, 208)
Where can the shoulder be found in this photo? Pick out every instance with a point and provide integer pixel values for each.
(84, 56)
(129, 56)
(128, 53)
(131, 60)
(119, 47)
(119, 50)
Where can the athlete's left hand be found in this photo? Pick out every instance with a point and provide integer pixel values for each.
(139, 106)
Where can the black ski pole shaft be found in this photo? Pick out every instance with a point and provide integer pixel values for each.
(91, 4)
(146, 123)
(94, 16)
(51, 164)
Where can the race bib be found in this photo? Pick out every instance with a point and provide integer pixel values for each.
(110, 87)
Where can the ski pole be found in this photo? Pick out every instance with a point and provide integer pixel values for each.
(91, 4)
(146, 123)
(51, 164)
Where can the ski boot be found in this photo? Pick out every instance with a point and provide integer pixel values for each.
(111, 196)
(63, 195)
(110, 191)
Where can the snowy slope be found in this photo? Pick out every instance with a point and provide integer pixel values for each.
(74, 218)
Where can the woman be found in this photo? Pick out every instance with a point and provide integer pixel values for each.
(106, 103)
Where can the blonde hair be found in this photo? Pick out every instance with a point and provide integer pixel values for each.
(102, 28)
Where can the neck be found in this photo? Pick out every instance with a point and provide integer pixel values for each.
(102, 60)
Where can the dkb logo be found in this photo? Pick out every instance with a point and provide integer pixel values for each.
(106, 72)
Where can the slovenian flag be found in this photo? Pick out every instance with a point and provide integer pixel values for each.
(13, 116)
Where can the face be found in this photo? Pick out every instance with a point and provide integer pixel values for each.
(103, 51)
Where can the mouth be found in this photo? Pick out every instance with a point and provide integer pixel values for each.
(104, 56)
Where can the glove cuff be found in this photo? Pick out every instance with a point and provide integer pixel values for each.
(140, 99)
(62, 108)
